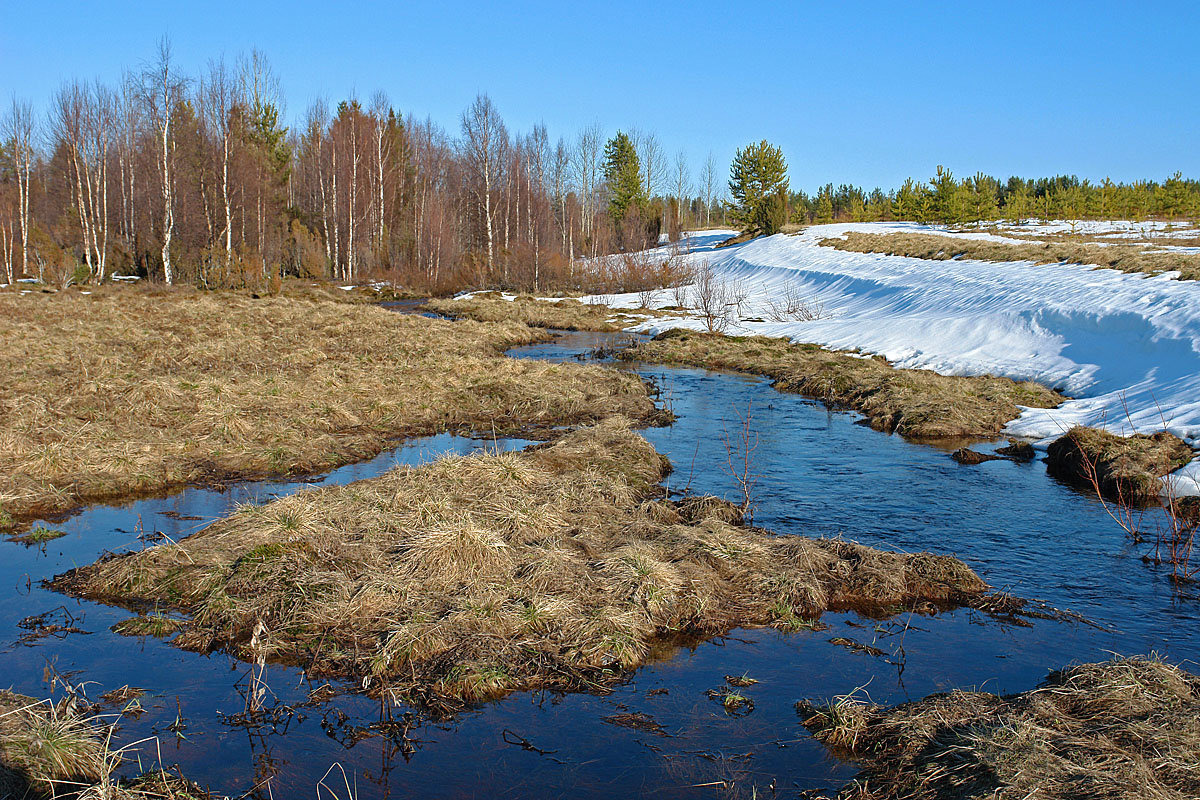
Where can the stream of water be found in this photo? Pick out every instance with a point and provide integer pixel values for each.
(820, 474)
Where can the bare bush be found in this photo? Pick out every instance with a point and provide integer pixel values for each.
(1174, 536)
(793, 306)
(714, 299)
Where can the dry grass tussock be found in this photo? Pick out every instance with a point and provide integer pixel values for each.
(560, 567)
(1126, 729)
(1121, 468)
(109, 396)
(1127, 258)
(913, 402)
(52, 751)
(568, 314)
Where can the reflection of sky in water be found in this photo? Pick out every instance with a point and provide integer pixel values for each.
(821, 474)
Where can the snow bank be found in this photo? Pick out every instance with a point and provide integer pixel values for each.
(1126, 346)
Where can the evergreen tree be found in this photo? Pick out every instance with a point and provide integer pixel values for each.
(825, 203)
(947, 197)
(623, 171)
(758, 173)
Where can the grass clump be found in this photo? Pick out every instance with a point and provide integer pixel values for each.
(125, 393)
(913, 402)
(559, 567)
(51, 750)
(1127, 258)
(1118, 730)
(39, 534)
(1122, 468)
(567, 314)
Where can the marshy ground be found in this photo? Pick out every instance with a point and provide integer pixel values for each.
(56, 751)
(1117, 730)
(916, 403)
(566, 566)
(137, 391)
(560, 567)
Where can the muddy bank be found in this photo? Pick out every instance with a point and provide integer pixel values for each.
(915, 403)
(1126, 469)
(1124, 729)
(1127, 258)
(123, 394)
(561, 567)
(54, 751)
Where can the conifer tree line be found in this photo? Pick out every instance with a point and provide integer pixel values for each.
(946, 199)
(198, 178)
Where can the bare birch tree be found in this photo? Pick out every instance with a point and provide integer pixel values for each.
(161, 91)
(708, 184)
(484, 142)
(19, 130)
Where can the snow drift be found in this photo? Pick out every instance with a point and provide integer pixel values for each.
(1126, 346)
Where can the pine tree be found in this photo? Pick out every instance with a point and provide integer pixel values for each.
(623, 171)
(759, 172)
(825, 203)
(947, 197)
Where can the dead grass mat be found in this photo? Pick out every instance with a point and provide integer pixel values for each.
(127, 393)
(1126, 729)
(913, 402)
(1127, 258)
(560, 567)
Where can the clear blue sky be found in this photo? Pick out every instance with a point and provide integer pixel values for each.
(860, 92)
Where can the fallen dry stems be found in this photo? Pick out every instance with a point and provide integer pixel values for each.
(1124, 729)
(1127, 258)
(132, 392)
(560, 567)
(913, 402)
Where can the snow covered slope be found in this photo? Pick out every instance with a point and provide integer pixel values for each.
(1126, 346)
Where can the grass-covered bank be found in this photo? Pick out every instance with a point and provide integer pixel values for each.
(121, 393)
(1127, 258)
(1128, 469)
(1125, 729)
(53, 751)
(913, 402)
(560, 567)
(568, 314)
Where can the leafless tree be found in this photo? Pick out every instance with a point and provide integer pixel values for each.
(19, 130)
(221, 96)
(585, 162)
(161, 90)
(682, 180)
(484, 141)
(81, 122)
(708, 185)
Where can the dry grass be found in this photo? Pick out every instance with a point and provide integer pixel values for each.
(1127, 258)
(559, 567)
(130, 392)
(52, 751)
(569, 314)
(1121, 468)
(916, 403)
(1124, 729)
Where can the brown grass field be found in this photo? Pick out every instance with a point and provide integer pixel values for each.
(560, 567)
(1127, 258)
(916, 403)
(1126, 729)
(134, 391)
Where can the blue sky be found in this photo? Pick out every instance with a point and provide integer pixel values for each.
(852, 91)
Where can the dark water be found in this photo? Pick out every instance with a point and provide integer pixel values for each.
(820, 473)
